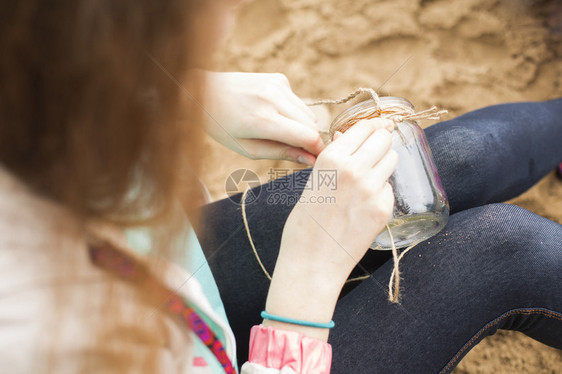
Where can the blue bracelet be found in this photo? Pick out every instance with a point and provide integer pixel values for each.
(272, 317)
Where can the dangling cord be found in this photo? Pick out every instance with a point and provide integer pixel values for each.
(247, 227)
(394, 283)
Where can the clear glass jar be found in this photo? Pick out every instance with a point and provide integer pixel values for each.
(421, 208)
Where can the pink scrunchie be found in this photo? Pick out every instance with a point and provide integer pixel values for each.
(276, 349)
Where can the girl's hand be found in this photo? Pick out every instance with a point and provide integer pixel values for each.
(322, 242)
(258, 116)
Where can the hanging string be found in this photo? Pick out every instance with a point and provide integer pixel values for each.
(394, 283)
(247, 227)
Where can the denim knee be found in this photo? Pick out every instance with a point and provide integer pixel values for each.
(460, 154)
(524, 246)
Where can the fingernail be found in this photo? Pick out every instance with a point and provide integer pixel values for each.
(304, 160)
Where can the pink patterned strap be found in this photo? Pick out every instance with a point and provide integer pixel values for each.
(127, 267)
(278, 349)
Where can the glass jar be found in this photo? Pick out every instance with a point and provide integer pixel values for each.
(421, 208)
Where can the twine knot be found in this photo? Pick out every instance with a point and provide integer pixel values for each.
(395, 112)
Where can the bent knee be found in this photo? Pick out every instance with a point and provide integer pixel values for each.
(517, 236)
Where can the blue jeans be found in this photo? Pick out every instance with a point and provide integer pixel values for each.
(493, 266)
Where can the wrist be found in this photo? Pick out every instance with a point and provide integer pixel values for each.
(302, 294)
(328, 269)
(311, 332)
(317, 251)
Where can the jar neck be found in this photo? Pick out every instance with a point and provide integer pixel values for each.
(368, 109)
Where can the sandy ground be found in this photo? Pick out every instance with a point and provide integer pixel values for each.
(459, 55)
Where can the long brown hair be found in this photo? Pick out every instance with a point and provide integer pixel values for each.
(90, 110)
(87, 118)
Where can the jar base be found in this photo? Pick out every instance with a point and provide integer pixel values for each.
(409, 230)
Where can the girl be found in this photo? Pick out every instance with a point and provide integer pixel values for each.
(94, 140)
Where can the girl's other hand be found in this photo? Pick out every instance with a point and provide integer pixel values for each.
(258, 115)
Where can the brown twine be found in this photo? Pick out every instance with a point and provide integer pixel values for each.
(396, 113)
(351, 96)
(394, 282)
(247, 227)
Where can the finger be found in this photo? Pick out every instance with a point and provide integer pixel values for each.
(387, 192)
(380, 173)
(300, 156)
(297, 110)
(294, 113)
(286, 86)
(373, 149)
(353, 138)
(285, 130)
(359, 132)
(259, 149)
(386, 197)
(382, 123)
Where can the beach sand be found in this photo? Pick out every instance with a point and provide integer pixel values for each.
(459, 55)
